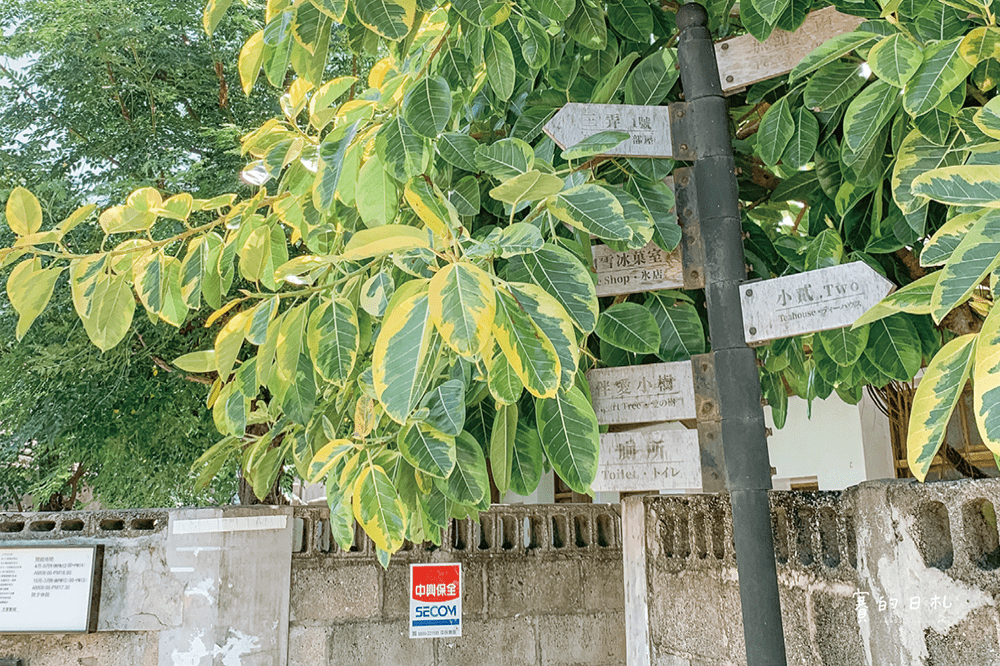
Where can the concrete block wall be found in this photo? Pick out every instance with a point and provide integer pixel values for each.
(542, 587)
(887, 573)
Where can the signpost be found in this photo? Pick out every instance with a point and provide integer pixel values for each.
(643, 393)
(818, 300)
(636, 271)
(649, 460)
(435, 600)
(50, 589)
(648, 127)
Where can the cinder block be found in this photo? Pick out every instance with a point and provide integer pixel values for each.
(525, 586)
(497, 642)
(795, 619)
(378, 644)
(582, 640)
(685, 613)
(603, 584)
(307, 646)
(113, 648)
(325, 590)
(837, 635)
(972, 641)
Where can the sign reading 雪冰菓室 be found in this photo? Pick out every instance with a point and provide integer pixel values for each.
(49, 589)
(435, 600)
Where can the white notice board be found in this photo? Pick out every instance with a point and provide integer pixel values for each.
(49, 588)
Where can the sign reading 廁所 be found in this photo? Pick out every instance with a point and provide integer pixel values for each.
(435, 600)
(643, 393)
(49, 589)
(818, 300)
(636, 271)
(648, 127)
(649, 460)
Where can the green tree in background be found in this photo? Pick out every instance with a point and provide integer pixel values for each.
(417, 304)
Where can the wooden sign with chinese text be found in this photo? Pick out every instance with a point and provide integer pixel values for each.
(648, 127)
(743, 60)
(637, 271)
(649, 460)
(643, 393)
(818, 300)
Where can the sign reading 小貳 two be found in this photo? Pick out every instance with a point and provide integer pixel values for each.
(435, 600)
(49, 589)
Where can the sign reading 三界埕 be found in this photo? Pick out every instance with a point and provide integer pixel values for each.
(648, 127)
(435, 600)
(49, 589)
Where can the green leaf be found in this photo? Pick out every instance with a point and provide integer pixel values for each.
(465, 197)
(528, 350)
(391, 19)
(987, 118)
(376, 293)
(593, 209)
(526, 458)
(975, 257)
(500, 71)
(403, 153)
(942, 244)
(427, 449)
(986, 381)
(329, 169)
(427, 106)
(459, 150)
(961, 185)
(504, 384)
(468, 482)
(557, 10)
(431, 206)
(802, 145)
(506, 158)
(553, 321)
(830, 51)
(378, 508)
(869, 112)
(586, 25)
(24, 213)
(199, 361)
(937, 394)
(833, 85)
(607, 87)
(914, 298)
(333, 338)
(529, 186)
(844, 345)
(519, 238)
(917, 155)
(595, 144)
(535, 42)
(681, 332)
(377, 197)
(776, 130)
(299, 397)
(568, 429)
(825, 250)
(404, 355)
(942, 70)
(653, 78)
(214, 11)
(445, 407)
(631, 327)
(770, 10)
(502, 447)
(894, 348)
(384, 239)
(561, 274)
(895, 59)
(935, 126)
(632, 19)
(462, 307)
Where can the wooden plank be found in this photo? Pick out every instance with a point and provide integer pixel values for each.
(817, 300)
(637, 648)
(743, 60)
(648, 127)
(648, 460)
(643, 393)
(636, 271)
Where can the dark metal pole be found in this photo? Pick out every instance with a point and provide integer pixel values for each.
(748, 468)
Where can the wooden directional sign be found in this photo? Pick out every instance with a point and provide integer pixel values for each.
(817, 300)
(648, 127)
(648, 460)
(637, 271)
(743, 60)
(643, 393)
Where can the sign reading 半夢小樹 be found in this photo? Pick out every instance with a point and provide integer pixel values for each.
(648, 127)
(643, 393)
(435, 600)
(49, 589)
(818, 300)
(649, 460)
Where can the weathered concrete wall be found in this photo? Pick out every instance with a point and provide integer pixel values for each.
(888, 573)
